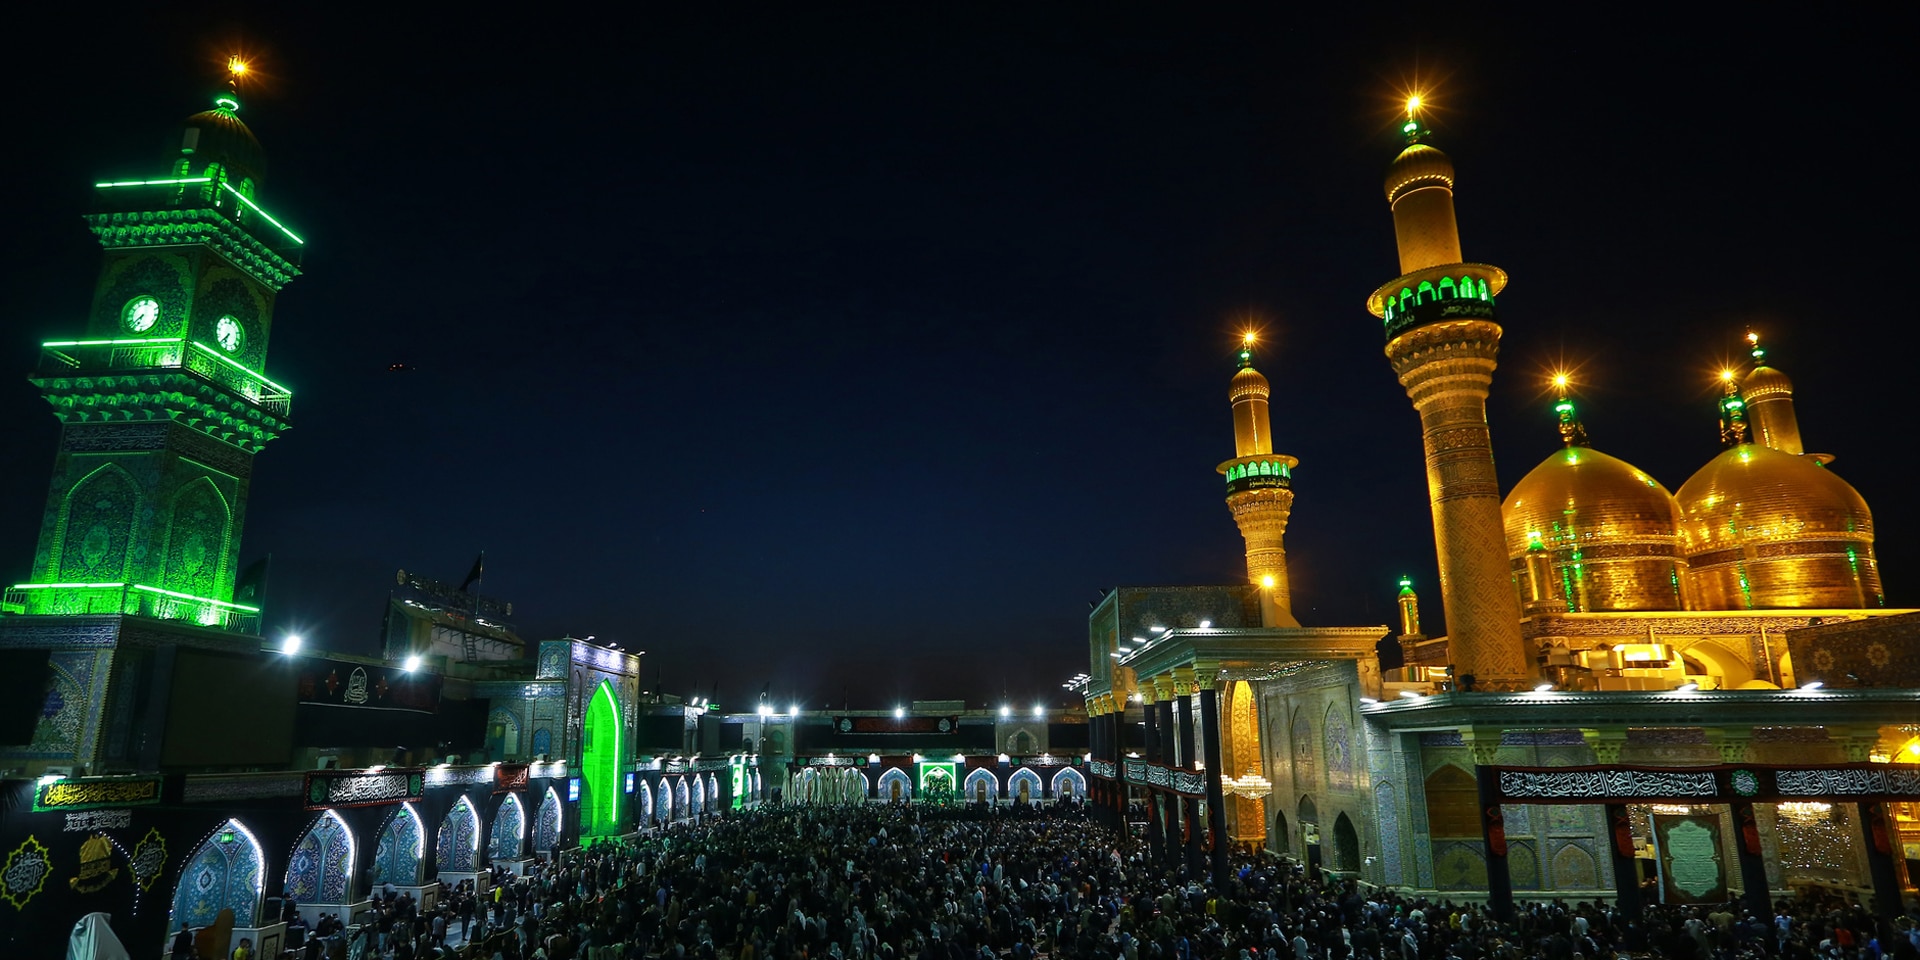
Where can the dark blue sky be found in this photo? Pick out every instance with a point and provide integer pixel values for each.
(854, 349)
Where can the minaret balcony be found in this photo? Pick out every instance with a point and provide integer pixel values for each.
(1260, 472)
(129, 599)
(97, 359)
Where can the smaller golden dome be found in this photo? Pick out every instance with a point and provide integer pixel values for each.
(1763, 529)
(1419, 165)
(1764, 383)
(1249, 383)
(1610, 529)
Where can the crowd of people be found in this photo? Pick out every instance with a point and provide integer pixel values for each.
(905, 883)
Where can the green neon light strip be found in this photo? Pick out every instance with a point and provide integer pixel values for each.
(203, 348)
(152, 183)
(189, 596)
(223, 358)
(103, 343)
(137, 586)
(256, 209)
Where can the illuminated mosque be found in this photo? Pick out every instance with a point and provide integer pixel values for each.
(1685, 696)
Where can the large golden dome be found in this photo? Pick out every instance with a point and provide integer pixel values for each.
(1763, 529)
(1609, 529)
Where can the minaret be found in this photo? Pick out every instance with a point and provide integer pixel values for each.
(1769, 397)
(1409, 610)
(1443, 342)
(1260, 490)
(163, 399)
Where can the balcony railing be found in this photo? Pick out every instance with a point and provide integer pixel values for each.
(132, 599)
(69, 357)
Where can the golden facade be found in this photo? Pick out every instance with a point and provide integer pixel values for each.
(1260, 489)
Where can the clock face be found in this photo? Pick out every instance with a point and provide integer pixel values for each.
(141, 314)
(227, 332)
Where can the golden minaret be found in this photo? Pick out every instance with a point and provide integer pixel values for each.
(1769, 397)
(1443, 342)
(1260, 490)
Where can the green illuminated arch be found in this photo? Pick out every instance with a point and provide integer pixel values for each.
(600, 762)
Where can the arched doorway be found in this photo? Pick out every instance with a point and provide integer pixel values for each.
(600, 763)
(1346, 845)
(1280, 838)
(509, 829)
(321, 868)
(402, 844)
(1310, 835)
(458, 841)
(1069, 786)
(1024, 786)
(503, 735)
(546, 823)
(224, 873)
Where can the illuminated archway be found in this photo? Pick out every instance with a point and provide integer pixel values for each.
(1024, 786)
(458, 841)
(509, 829)
(895, 785)
(982, 786)
(321, 868)
(1068, 784)
(646, 803)
(546, 823)
(682, 807)
(402, 845)
(226, 872)
(600, 764)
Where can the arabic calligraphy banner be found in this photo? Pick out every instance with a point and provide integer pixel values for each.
(341, 683)
(1691, 867)
(363, 788)
(90, 794)
(1709, 784)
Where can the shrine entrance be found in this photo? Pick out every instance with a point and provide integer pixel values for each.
(600, 762)
(1698, 830)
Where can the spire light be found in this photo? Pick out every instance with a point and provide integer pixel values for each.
(236, 66)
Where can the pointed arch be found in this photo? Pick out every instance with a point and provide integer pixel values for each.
(981, 785)
(857, 785)
(509, 829)
(400, 848)
(458, 841)
(713, 792)
(895, 785)
(1306, 773)
(1337, 747)
(682, 806)
(546, 823)
(96, 527)
(227, 871)
(321, 867)
(645, 802)
(1069, 783)
(199, 539)
(697, 794)
(503, 735)
(1346, 844)
(663, 802)
(602, 759)
(1027, 779)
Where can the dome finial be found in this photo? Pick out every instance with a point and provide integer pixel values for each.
(1573, 433)
(1247, 339)
(1413, 129)
(1733, 411)
(1759, 353)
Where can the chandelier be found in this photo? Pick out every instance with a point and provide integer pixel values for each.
(1803, 813)
(1251, 786)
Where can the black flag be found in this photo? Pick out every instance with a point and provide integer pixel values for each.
(479, 570)
(251, 588)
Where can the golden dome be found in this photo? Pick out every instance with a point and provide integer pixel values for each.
(1249, 383)
(1419, 165)
(1610, 530)
(1763, 529)
(1764, 383)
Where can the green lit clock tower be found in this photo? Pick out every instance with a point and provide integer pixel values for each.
(163, 401)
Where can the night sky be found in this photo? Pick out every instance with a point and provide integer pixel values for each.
(854, 349)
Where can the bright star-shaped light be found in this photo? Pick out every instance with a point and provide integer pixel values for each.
(236, 66)
(1413, 105)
